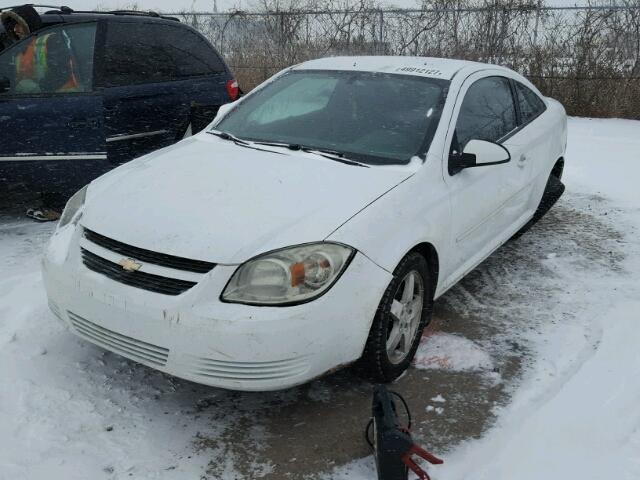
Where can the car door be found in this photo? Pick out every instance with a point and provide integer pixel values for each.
(484, 205)
(153, 77)
(51, 122)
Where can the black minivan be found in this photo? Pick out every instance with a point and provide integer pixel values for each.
(141, 81)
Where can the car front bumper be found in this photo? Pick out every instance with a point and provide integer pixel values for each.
(197, 337)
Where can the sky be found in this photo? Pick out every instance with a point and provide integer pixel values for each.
(207, 5)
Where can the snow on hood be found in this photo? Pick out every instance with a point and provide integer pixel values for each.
(209, 199)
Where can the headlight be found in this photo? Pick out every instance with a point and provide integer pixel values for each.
(290, 275)
(74, 204)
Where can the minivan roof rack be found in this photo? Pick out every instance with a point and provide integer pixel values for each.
(149, 13)
(35, 5)
(67, 11)
(63, 8)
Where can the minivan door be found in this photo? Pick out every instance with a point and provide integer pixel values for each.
(51, 122)
(154, 77)
(143, 118)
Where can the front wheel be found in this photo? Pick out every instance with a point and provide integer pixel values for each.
(403, 313)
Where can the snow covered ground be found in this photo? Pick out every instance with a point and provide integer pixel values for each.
(537, 348)
(577, 413)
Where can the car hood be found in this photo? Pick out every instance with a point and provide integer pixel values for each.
(209, 199)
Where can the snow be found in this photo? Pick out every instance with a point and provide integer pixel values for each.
(451, 352)
(583, 423)
(70, 411)
(608, 158)
(438, 410)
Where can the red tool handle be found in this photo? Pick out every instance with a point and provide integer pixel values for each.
(414, 467)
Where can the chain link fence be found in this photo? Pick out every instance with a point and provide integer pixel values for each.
(587, 57)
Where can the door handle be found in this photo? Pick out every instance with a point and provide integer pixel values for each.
(522, 160)
(92, 123)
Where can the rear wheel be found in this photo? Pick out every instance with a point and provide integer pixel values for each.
(403, 313)
(552, 192)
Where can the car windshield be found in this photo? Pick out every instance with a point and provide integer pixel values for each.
(374, 118)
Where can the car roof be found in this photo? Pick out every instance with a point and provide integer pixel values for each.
(64, 15)
(67, 15)
(444, 68)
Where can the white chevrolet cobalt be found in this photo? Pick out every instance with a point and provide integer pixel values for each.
(312, 224)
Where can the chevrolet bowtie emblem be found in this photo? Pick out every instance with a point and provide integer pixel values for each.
(129, 265)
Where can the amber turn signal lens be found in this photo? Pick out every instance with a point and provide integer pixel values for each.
(297, 274)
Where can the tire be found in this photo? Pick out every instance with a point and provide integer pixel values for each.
(380, 362)
(552, 192)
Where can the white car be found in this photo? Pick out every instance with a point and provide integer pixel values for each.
(312, 224)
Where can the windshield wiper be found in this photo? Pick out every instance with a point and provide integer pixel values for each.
(323, 152)
(228, 136)
(326, 153)
(239, 141)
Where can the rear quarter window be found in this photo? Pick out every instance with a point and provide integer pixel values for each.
(191, 54)
(531, 105)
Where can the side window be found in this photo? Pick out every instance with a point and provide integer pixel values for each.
(531, 105)
(487, 112)
(190, 53)
(133, 55)
(54, 60)
(153, 52)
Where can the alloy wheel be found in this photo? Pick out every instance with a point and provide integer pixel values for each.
(406, 313)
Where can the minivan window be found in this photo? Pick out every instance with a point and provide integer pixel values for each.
(487, 112)
(370, 117)
(57, 60)
(151, 52)
(530, 104)
(190, 53)
(132, 55)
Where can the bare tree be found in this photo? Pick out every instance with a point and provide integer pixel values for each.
(588, 58)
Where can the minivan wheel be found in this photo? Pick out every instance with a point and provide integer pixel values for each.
(403, 313)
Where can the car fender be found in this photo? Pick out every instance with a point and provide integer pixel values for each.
(414, 212)
(555, 121)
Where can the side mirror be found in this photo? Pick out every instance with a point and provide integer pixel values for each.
(5, 84)
(478, 153)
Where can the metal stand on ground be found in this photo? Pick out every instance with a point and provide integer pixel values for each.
(392, 443)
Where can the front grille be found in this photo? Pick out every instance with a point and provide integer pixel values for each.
(126, 346)
(220, 369)
(146, 281)
(162, 259)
